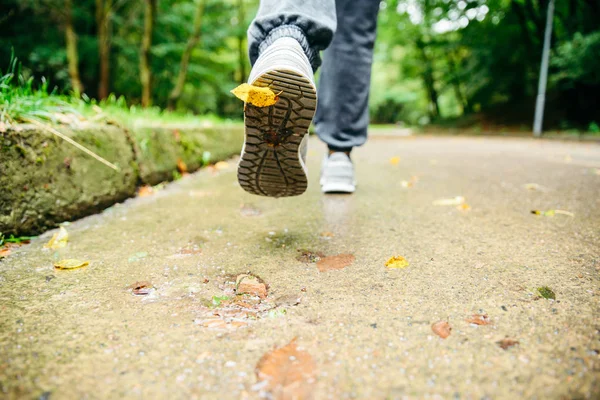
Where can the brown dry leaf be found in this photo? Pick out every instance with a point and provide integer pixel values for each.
(330, 263)
(250, 284)
(59, 239)
(327, 234)
(220, 324)
(4, 252)
(455, 201)
(70, 263)
(286, 373)
(394, 160)
(181, 167)
(506, 343)
(255, 95)
(309, 256)
(479, 319)
(141, 288)
(442, 329)
(190, 250)
(145, 190)
(397, 262)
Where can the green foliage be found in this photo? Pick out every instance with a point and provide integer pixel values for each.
(576, 60)
(434, 60)
(21, 100)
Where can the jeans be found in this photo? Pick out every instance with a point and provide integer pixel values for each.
(347, 30)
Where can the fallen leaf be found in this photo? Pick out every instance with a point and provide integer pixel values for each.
(71, 263)
(406, 184)
(250, 284)
(479, 319)
(248, 210)
(181, 167)
(286, 373)
(327, 234)
(221, 165)
(397, 262)
(330, 263)
(309, 256)
(59, 240)
(394, 160)
(220, 324)
(506, 343)
(463, 207)
(145, 190)
(191, 250)
(141, 288)
(255, 95)
(546, 292)
(442, 329)
(552, 213)
(4, 252)
(455, 201)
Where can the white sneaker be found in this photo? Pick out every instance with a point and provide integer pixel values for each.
(337, 174)
(273, 158)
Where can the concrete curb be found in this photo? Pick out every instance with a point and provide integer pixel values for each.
(45, 181)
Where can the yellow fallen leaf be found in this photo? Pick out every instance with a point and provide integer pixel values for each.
(255, 95)
(463, 207)
(397, 262)
(59, 240)
(552, 213)
(406, 184)
(394, 160)
(70, 263)
(455, 201)
(221, 165)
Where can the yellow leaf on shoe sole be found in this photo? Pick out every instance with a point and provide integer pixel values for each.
(255, 95)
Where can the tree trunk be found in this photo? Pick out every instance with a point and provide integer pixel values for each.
(242, 56)
(185, 57)
(429, 81)
(145, 69)
(72, 54)
(456, 84)
(103, 24)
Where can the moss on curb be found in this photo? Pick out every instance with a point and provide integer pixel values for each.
(45, 181)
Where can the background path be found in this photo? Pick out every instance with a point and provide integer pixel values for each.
(83, 334)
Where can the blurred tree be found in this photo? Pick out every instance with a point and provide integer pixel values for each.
(72, 53)
(104, 27)
(187, 53)
(145, 51)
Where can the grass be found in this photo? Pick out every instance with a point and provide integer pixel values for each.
(21, 101)
(24, 99)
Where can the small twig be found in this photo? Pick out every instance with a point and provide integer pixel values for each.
(74, 143)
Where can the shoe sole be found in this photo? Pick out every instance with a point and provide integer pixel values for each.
(337, 187)
(270, 164)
